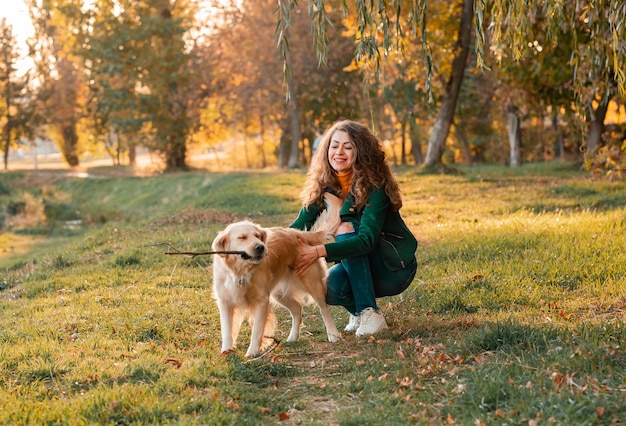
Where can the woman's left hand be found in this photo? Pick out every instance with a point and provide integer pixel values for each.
(308, 255)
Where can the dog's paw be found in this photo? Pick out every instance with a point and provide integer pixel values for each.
(333, 338)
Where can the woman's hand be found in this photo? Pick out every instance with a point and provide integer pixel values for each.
(308, 255)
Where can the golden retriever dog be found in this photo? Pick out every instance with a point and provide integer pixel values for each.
(244, 284)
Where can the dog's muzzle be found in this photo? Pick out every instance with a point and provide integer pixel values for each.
(258, 252)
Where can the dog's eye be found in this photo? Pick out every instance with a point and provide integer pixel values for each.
(242, 237)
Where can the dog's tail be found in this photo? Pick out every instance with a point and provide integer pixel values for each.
(329, 220)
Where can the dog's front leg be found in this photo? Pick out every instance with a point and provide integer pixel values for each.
(258, 328)
(228, 327)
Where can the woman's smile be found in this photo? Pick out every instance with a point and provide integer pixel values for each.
(341, 152)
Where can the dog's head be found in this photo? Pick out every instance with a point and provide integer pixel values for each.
(245, 237)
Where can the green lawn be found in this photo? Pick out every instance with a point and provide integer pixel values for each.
(516, 315)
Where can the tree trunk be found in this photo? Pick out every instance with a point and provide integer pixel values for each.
(597, 127)
(7, 139)
(132, 154)
(558, 146)
(7, 101)
(294, 126)
(459, 129)
(262, 141)
(441, 129)
(403, 126)
(416, 146)
(175, 153)
(515, 136)
(294, 121)
(6, 154)
(70, 141)
(392, 138)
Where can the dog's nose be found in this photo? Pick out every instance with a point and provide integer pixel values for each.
(259, 249)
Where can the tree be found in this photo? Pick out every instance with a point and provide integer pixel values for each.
(249, 79)
(58, 70)
(8, 56)
(441, 129)
(110, 63)
(380, 30)
(16, 109)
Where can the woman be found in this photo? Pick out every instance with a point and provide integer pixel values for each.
(374, 251)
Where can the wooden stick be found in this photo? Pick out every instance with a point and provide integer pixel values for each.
(193, 254)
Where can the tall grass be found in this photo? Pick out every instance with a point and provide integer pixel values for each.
(516, 315)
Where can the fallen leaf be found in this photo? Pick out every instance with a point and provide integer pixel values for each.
(283, 416)
(570, 380)
(563, 315)
(405, 382)
(558, 378)
(600, 411)
(174, 362)
(232, 404)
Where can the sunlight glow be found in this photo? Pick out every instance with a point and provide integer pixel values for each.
(17, 17)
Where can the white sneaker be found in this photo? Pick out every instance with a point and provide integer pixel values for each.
(372, 321)
(353, 323)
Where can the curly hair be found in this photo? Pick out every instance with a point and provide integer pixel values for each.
(370, 169)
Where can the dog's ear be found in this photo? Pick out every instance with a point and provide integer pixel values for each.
(263, 234)
(220, 243)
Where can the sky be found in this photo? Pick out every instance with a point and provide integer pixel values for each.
(17, 16)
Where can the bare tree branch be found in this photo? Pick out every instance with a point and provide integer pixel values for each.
(193, 254)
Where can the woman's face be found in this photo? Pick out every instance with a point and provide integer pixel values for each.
(341, 152)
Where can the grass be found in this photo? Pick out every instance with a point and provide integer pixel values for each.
(516, 315)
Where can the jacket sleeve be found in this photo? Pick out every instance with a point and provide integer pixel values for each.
(370, 227)
(306, 218)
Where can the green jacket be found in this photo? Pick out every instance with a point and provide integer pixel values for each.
(378, 226)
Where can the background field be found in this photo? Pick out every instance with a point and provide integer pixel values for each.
(516, 315)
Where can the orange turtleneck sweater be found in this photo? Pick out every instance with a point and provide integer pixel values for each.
(345, 180)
